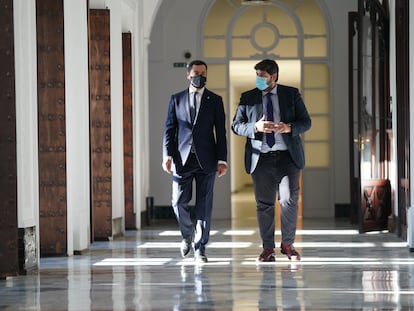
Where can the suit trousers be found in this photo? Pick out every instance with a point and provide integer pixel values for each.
(182, 190)
(276, 172)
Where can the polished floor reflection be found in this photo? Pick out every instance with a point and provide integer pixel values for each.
(340, 270)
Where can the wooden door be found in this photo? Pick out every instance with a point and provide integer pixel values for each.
(51, 127)
(8, 159)
(128, 131)
(100, 124)
(370, 115)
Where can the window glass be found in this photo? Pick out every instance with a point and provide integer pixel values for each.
(215, 48)
(218, 19)
(317, 154)
(315, 76)
(217, 76)
(317, 101)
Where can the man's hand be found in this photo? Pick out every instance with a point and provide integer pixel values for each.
(221, 169)
(265, 126)
(269, 126)
(283, 128)
(166, 165)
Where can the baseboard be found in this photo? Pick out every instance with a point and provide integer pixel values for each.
(343, 210)
(159, 212)
(28, 262)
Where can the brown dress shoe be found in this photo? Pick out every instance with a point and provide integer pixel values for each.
(268, 255)
(289, 250)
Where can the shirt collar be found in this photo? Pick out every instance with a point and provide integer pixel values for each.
(273, 91)
(201, 91)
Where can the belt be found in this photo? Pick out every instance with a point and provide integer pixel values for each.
(273, 153)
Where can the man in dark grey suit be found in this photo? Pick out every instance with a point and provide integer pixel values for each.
(273, 117)
(195, 148)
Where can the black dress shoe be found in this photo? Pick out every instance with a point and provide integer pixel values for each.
(200, 256)
(185, 247)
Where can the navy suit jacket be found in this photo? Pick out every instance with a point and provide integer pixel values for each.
(208, 134)
(292, 110)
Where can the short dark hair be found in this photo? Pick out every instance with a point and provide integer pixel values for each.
(195, 62)
(268, 65)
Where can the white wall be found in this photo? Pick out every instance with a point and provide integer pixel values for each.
(77, 124)
(26, 115)
(338, 11)
(137, 18)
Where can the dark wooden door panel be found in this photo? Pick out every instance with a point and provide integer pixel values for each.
(376, 204)
(51, 128)
(100, 124)
(128, 136)
(8, 159)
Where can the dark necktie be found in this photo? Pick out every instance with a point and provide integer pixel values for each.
(193, 108)
(270, 137)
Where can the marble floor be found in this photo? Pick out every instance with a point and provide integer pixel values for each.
(340, 270)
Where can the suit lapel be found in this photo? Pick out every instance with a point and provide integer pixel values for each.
(204, 100)
(185, 99)
(282, 100)
(259, 101)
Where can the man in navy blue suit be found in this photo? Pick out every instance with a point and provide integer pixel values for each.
(272, 117)
(195, 148)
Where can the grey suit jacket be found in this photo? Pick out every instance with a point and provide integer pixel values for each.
(292, 110)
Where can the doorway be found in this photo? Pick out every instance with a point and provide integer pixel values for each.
(370, 116)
